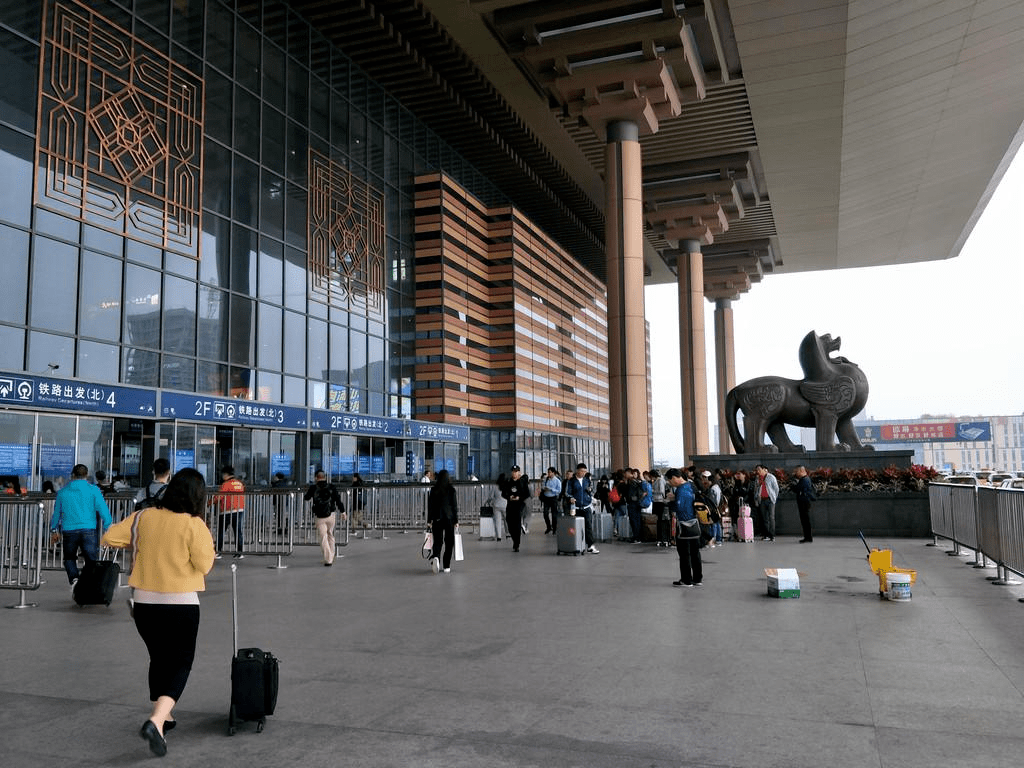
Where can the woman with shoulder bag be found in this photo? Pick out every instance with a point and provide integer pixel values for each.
(173, 552)
(443, 516)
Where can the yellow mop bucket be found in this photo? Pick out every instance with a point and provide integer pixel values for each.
(893, 583)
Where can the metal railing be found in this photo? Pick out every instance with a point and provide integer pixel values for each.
(988, 522)
(22, 532)
(273, 522)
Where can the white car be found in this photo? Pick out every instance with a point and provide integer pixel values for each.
(1013, 482)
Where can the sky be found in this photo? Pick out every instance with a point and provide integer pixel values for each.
(934, 338)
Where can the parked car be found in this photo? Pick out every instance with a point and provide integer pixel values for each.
(961, 480)
(996, 478)
(1013, 482)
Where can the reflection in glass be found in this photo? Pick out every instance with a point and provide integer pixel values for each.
(179, 308)
(211, 378)
(294, 343)
(178, 373)
(16, 163)
(212, 324)
(241, 338)
(142, 307)
(270, 337)
(14, 247)
(12, 348)
(98, 362)
(55, 455)
(95, 443)
(214, 267)
(54, 285)
(140, 367)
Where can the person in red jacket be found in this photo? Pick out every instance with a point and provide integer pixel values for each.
(231, 511)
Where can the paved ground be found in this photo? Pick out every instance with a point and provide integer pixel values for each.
(535, 660)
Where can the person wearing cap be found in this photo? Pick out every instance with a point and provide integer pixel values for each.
(581, 488)
(713, 492)
(231, 510)
(515, 491)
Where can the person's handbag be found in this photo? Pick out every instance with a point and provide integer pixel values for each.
(459, 556)
(688, 529)
(703, 514)
(428, 545)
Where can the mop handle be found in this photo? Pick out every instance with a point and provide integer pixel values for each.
(861, 534)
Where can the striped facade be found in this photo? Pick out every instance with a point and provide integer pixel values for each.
(510, 332)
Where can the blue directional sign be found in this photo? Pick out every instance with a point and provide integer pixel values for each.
(71, 395)
(175, 405)
(358, 424)
(449, 433)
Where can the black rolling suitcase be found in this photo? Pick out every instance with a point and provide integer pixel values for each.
(254, 675)
(97, 582)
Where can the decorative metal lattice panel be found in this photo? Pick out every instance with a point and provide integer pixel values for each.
(119, 133)
(346, 237)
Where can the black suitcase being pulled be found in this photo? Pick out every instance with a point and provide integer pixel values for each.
(254, 677)
(97, 582)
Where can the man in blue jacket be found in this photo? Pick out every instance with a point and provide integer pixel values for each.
(691, 569)
(581, 489)
(79, 513)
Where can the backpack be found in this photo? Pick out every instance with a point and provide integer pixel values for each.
(152, 499)
(723, 506)
(323, 500)
(634, 492)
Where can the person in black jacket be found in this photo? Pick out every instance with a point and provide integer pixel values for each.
(516, 491)
(326, 502)
(443, 516)
(805, 494)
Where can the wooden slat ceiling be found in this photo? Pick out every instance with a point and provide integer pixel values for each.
(402, 46)
(875, 131)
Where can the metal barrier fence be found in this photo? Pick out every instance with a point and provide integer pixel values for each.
(987, 521)
(22, 532)
(273, 522)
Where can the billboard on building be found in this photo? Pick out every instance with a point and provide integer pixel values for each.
(926, 432)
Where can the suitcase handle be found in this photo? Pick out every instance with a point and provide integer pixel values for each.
(234, 610)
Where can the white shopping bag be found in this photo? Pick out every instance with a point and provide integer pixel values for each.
(428, 545)
(458, 545)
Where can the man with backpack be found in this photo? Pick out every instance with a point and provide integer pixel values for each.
(326, 501)
(151, 494)
(634, 503)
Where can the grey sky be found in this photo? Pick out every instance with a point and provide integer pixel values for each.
(941, 337)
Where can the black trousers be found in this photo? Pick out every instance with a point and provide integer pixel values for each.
(691, 569)
(550, 512)
(514, 521)
(805, 518)
(444, 533)
(169, 632)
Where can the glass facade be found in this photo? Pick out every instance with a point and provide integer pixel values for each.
(216, 202)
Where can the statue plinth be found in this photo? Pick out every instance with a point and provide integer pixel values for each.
(790, 460)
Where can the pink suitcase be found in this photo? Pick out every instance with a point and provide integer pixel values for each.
(745, 528)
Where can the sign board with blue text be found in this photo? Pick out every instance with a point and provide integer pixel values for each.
(70, 395)
(176, 405)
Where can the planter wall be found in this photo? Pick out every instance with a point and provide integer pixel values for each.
(881, 515)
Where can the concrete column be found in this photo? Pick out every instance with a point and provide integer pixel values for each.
(627, 340)
(725, 366)
(692, 357)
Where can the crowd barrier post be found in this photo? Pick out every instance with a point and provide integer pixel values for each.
(21, 548)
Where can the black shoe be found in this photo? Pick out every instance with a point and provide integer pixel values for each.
(169, 725)
(681, 584)
(151, 733)
(806, 541)
(515, 549)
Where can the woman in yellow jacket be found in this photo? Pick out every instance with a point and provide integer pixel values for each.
(173, 554)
